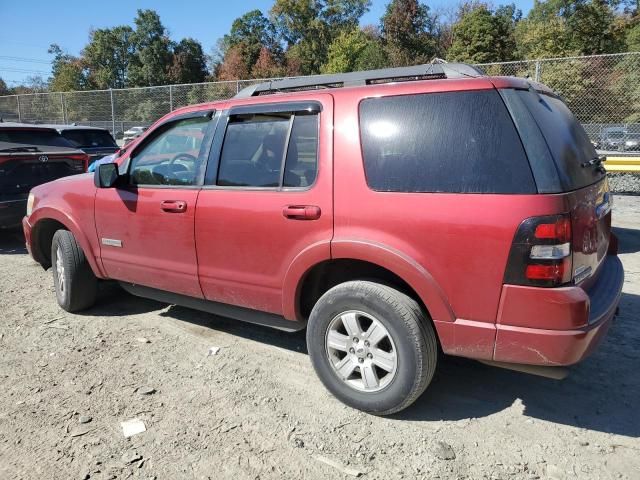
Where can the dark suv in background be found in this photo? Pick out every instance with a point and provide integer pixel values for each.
(29, 156)
(95, 142)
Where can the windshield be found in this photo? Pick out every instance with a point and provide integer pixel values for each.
(34, 137)
(89, 138)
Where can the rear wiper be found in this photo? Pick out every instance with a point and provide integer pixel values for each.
(20, 149)
(595, 162)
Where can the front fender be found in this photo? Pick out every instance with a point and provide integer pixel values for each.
(90, 249)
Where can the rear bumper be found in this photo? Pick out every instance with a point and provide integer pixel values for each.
(12, 211)
(557, 326)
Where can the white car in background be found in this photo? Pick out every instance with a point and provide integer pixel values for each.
(132, 133)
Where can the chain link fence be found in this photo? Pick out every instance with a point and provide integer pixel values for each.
(603, 91)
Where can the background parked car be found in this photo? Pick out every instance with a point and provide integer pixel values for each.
(632, 142)
(613, 138)
(133, 133)
(96, 142)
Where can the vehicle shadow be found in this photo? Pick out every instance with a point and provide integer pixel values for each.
(628, 239)
(12, 242)
(294, 341)
(599, 394)
(113, 301)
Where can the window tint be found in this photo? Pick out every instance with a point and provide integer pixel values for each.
(89, 138)
(568, 142)
(256, 144)
(34, 137)
(443, 142)
(173, 157)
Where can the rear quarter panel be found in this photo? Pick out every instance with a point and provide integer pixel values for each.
(455, 245)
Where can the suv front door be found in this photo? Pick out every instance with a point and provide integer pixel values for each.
(145, 226)
(267, 198)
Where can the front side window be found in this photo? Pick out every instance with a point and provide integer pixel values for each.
(257, 147)
(173, 157)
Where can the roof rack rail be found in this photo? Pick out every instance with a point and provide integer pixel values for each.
(427, 71)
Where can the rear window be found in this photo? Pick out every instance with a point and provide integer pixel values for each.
(462, 142)
(34, 137)
(89, 138)
(567, 141)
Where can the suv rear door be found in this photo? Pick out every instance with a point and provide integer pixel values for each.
(564, 161)
(267, 198)
(145, 226)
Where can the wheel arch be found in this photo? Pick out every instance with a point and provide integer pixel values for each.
(356, 260)
(44, 223)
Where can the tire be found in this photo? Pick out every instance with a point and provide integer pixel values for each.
(408, 353)
(75, 283)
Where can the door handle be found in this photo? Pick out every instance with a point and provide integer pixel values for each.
(173, 206)
(302, 212)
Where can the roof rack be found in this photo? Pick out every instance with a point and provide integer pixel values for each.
(427, 71)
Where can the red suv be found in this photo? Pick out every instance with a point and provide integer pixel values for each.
(393, 213)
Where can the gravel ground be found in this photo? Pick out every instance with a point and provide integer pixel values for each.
(255, 410)
(628, 183)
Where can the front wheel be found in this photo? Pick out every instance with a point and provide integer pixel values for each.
(75, 283)
(372, 346)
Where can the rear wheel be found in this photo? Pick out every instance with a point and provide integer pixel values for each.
(372, 346)
(75, 283)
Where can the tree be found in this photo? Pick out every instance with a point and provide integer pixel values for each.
(188, 64)
(233, 67)
(4, 89)
(355, 50)
(571, 27)
(409, 33)
(592, 28)
(152, 51)
(266, 66)
(255, 32)
(309, 26)
(108, 57)
(481, 35)
(67, 72)
(633, 38)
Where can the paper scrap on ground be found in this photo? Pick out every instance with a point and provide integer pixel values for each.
(132, 427)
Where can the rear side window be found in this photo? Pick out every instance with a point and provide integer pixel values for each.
(89, 138)
(567, 141)
(258, 146)
(43, 137)
(462, 142)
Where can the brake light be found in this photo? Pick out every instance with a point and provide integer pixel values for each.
(560, 230)
(541, 252)
(82, 161)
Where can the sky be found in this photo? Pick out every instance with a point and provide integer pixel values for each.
(29, 27)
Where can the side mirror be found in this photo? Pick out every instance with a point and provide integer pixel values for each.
(106, 175)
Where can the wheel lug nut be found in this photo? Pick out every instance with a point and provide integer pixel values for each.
(356, 339)
(351, 350)
(360, 360)
(366, 343)
(369, 355)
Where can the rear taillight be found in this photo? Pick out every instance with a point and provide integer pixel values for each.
(541, 252)
(80, 162)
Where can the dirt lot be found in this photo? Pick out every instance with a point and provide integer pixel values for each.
(255, 409)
